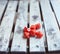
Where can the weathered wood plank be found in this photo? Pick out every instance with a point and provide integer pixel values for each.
(2, 7)
(56, 7)
(6, 25)
(19, 44)
(51, 27)
(36, 45)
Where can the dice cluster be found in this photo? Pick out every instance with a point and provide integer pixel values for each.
(31, 32)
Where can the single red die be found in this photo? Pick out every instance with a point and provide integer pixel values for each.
(38, 26)
(39, 34)
(33, 27)
(32, 32)
(25, 29)
(26, 35)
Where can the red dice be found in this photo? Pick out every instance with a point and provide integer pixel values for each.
(25, 29)
(39, 34)
(38, 26)
(33, 27)
(31, 32)
(26, 35)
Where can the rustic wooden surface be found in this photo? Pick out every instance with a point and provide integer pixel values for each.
(2, 8)
(56, 7)
(20, 44)
(34, 19)
(16, 14)
(51, 27)
(6, 25)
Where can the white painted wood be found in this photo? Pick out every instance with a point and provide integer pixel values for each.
(2, 7)
(19, 43)
(56, 7)
(52, 30)
(6, 25)
(36, 45)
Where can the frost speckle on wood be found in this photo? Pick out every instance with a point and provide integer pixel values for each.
(19, 29)
(35, 17)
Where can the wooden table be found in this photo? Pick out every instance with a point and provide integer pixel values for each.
(17, 14)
